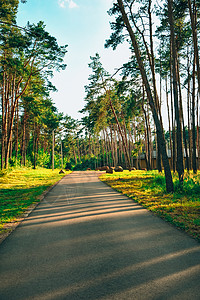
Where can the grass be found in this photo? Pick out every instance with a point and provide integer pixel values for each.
(20, 188)
(182, 208)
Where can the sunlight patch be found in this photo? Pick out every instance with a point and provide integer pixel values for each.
(71, 3)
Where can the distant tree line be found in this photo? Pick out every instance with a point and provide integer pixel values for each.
(28, 57)
(165, 56)
(123, 117)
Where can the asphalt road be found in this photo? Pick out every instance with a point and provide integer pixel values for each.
(86, 241)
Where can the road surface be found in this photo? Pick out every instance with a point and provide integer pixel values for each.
(86, 241)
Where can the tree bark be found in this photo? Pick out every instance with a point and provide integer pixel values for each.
(121, 133)
(169, 121)
(193, 20)
(194, 159)
(23, 150)
(183, 124)
(189, 111)
(179, 162)
(168, 176)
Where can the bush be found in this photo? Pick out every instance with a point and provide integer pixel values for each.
(3, 173)
(68, 165)
(43, 158)
(189, 186)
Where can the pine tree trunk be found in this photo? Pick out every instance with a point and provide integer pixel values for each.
(34, 148)
(23, 150)
(182, 119)
(199, 147)
(168, 176)
(121, 133)
(135, 138)
(193, 20)
(197, 139)
(173, 155)
(75, 156)
(194, 159)
(109, 149)
(53, 147)
(112, 146)
(106, 147)
(169, 121)
(189, 112)
(115, 142)
(3, 121)
(120, 151)
(179, 162)
(78, 149)
(17, 133)
(147, 139)
(131, 146)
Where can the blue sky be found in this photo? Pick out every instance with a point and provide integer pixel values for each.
(84, 26)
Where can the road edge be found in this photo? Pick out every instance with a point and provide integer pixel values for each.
(13, 225)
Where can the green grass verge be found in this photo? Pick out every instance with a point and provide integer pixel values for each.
(19, 188)
(182, 208)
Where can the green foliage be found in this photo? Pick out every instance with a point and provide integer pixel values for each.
(28, 58)
(190, 186)
(86, 163)
(68, 165)
(158, 180)
(8, 10)
(43, 159)
(3, 173)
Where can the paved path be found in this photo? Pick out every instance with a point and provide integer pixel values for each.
(86, 241)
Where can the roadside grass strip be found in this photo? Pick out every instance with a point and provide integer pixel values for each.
(21, 188)
(182, 208)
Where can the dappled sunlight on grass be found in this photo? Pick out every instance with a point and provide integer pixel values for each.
(19, 188)
(182, 208)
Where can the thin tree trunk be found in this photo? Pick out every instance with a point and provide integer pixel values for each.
(75, 156)
(121, 133)
(112, 146)
(194, 159)
(106, 147)
(168, 176)
(17, 133)
(53, 146)
(115, 143)
(169, 122)
(182, 119)
(35, 147)
(61, 153)
(147, 138)
(193, 20)
(109, 148)
(135, 138)
(197, 139)
(189, 112)
(199, 144)
(103, 149)
(173, 155)
(23, 150)
(179, 163)
(3, 121)
(78, 149)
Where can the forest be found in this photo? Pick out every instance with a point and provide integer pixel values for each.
(145, 115)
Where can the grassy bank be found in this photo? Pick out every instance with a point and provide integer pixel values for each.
(182, 208)
(19, 189)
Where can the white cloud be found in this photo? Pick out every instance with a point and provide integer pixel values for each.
(72, 4)
(63, 3)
